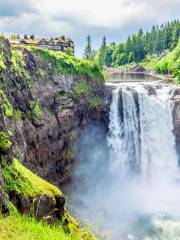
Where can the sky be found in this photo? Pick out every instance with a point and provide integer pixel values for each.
(115, 19)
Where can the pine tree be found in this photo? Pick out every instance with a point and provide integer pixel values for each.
(88, 49)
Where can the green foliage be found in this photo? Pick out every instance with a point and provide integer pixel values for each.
(7, 108)
(18, 115)
(2, 64)
(169, 64)
(5, 143)
(41, 72)
(23, 227)
(36, 109)
(69, 51)
(19, 227)
(63, 63)
(81, 89)
(21, 180)
(95, 102)
(139, 45)
(19, 64)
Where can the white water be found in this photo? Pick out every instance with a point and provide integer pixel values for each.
(147, 140)
(136, 195)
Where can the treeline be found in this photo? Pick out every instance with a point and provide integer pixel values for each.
(159, 41)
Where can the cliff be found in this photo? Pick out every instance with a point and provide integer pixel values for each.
(45, 98)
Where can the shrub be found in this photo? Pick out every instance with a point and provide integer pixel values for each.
(81, 88)
(95, 102)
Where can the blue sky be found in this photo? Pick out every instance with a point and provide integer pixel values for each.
(77, 18)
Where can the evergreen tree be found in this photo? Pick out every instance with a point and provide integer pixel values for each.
(137, 46)
(103, 42)
(25, 36)
(88, 49)
(32, 36)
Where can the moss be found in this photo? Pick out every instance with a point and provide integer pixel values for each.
(5, 143)
(18, 115)
(7, 108)
(10, 133)
(36, 109)
(21, 180)
(95, 102)
(81, 89)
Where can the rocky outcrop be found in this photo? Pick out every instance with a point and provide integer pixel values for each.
(43, 110)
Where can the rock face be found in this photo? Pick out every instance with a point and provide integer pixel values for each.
(53, 109)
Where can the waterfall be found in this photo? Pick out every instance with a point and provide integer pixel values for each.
(131, 177)
(141, 138)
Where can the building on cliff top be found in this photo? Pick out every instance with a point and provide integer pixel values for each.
(56, 44)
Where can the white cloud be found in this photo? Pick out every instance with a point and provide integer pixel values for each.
(114, 18)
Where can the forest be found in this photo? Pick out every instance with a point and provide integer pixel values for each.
(159, 41)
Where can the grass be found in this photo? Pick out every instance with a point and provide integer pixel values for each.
(18, 227)
(21, 180)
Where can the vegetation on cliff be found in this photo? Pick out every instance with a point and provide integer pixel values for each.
(5, 143)
(21, 180)
(63, 63)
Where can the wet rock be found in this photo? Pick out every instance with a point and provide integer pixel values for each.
(151, 90)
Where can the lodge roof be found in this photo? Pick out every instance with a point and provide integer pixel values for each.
(52, 41)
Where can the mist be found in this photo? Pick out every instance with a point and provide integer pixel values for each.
(109, 190)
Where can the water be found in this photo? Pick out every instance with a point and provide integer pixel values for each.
(131, 181)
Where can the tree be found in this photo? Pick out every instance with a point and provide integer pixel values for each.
(88, 50)
(103, 42)
(32, 36)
